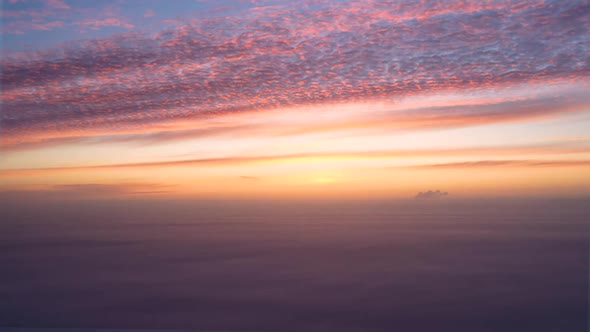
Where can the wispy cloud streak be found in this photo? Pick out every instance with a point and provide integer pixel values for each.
(92, 190)
(386, 117)
(534, 150)
(506, 163)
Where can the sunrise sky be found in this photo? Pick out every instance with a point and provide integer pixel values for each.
(291, 99)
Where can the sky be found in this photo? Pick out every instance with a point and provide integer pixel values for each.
(295, 99)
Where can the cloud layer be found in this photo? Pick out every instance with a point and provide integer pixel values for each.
(292, 55)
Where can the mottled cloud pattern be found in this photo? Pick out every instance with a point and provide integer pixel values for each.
(290, 55)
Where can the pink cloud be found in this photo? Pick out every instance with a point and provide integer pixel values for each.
(20, 27)
(59, 4)
(172, 21)
(281, 57)
(107, 22)
(149, 13)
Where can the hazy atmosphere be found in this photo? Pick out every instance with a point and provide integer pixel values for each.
(254, 165)
(297, 266)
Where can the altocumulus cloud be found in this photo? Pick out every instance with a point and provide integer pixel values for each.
(331, 52)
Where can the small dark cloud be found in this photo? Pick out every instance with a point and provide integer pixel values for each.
(431, 194)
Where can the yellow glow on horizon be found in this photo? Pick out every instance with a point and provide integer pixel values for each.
(371, 149)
